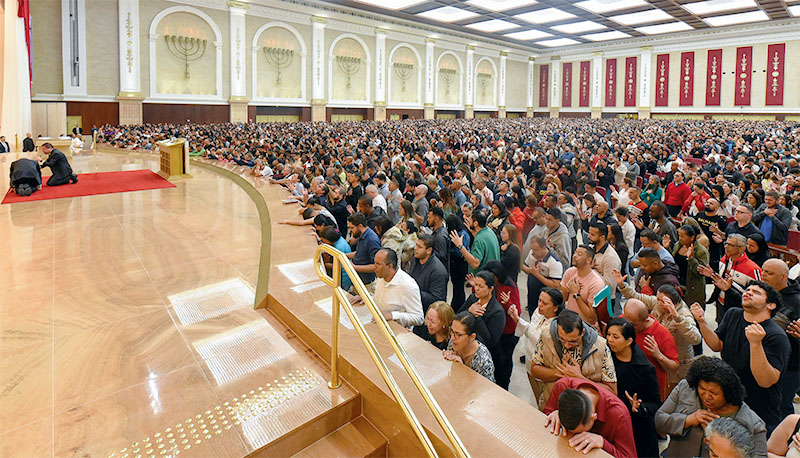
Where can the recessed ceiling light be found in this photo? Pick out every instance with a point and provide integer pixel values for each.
(606, 6)
(495, 25)
(392, 4)
(664, 28)
(715, 6)
(579, 27)
(738, 18)
(604, 36)
(528, 35)
(794, 10)
(641, 17)
(501, 5)
(558, 42)
(448, 14)
(544, 16)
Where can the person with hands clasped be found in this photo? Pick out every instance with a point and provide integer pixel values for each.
(594, 417)
(490, 318)
(465, 348)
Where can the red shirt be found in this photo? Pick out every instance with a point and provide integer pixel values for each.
(613, 419)
(677, 195)
(666, 343)
(514, 301)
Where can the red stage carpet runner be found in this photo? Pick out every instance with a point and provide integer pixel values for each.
(90, 184)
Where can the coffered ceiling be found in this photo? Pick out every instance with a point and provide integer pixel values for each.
(544, 24)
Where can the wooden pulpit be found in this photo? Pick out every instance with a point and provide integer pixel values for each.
(174, 159)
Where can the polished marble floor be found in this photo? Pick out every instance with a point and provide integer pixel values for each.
(127, 325)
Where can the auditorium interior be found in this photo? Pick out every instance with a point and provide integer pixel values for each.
(177, 300)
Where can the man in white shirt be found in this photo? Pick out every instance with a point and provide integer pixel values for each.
(628, 229)
(377, 198)
(396, 292)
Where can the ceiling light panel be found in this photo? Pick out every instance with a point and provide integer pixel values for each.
(664, 28)
(392, 4)
(794, 10)
(579, 27)
(738, 18)
(495, 25)
(642, 17)
(607, 6)
(605, 36)
(501, 5)
(448, 14)
(528, 35)
(716, 6)
(544, 16)
(558, 42)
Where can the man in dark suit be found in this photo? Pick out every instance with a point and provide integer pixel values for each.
(28, 144)
(4, 147)
(25, 176)
(62, 172)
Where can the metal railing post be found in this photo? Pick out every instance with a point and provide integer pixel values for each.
(337, 281)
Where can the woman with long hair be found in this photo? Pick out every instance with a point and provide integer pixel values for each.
(757, 249)
(653, 191)
(437, 324)
(507, 294)
(449, 205)
(637, 384)
(510, 250)
(498, 218)
(458, 265)
(465, 348)
(617, 240)
(689, 254)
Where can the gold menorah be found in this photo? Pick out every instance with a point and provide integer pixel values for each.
(349, 66)
(403, 71)
(187, 49)
(448, 75)
(280, 58)
(483, 81)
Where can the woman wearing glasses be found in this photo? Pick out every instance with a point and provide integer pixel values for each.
(465, 347)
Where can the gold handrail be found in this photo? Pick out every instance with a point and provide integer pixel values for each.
(340, 262)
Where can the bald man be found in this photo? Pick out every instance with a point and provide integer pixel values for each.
(655, 340)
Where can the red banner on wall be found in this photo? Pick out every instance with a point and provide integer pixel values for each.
(630, 81)
(714, 77)
(611, 82)
(544, 76)
(744, 75)
(686, 96)
(566, 84)
(775, 65)
(583, 99)
(662, 80)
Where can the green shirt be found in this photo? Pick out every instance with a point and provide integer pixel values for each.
(485, 247)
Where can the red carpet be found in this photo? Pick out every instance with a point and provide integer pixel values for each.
(90, 184)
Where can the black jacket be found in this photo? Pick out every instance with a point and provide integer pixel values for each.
(490, 326)
(28, 145)
(25, 171)
(780, 223)
(58, 164)
(432, 280)
(638, 376)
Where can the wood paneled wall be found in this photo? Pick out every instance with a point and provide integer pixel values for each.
(181, 113)
(94, 113)
(304, 113)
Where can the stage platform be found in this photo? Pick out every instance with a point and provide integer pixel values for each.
(128, 327)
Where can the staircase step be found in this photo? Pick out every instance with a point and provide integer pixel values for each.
(355, 439)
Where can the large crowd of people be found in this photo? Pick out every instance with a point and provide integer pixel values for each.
(624, 232)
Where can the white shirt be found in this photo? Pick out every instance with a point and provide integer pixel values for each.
(380, 201)
(401, 297)
(629, 231)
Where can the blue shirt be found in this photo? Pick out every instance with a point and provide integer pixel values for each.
(368, 245)
(344, 247)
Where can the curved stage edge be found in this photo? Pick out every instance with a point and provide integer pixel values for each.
(489, 420)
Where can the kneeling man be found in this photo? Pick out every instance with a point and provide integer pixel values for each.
(62, 172)
(26, 176)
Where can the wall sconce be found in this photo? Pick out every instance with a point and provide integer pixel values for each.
(187, 49)
(279, 58)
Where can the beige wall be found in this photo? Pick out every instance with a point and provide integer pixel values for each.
(453, 96)
(102, 47)
(358, 79)
(516, 84)
(413, 90)
(484, 96)
(46, 25)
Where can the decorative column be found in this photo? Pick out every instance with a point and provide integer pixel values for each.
(130, 87)
(530, 86)
(469, 93)
(73, 48)
(380, 74)
(238, 100)
(597, 85)
(555, 86)
(644, 81)
(501, 90)
(430, 78)
(318, 68)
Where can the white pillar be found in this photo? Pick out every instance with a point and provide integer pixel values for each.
(501, 90)
(129, 56)
(429, 71)
(644, 79)
(238, 63)
(597, 80)
(469, 96)
(16, 111)
(555, 82)
(318, 59)
(530, 86)
(380, 66)
(73, 53)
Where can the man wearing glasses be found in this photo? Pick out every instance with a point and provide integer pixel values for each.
(736, 270)
(743, 224)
